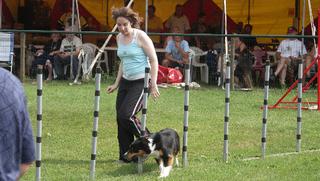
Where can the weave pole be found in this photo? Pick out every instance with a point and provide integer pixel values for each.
(95, 124)
(144, 113)
(265, 109)
(226, 114)
(186, 114)
(299, 106)
(39, 123)
(299, 87)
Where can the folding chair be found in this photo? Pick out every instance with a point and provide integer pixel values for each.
(86, 56)
(195, 54)
(6, 50)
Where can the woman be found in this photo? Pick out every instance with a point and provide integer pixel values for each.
(134, 50)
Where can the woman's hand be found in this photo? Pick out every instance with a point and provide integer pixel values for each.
(154, 91)
(111, 88)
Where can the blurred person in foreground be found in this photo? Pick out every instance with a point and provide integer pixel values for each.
(17, 152)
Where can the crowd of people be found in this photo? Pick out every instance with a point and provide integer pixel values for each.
(250, 56)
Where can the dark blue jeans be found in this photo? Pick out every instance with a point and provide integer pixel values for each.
(60, 62)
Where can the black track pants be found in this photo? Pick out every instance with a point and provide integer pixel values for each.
(129, 103)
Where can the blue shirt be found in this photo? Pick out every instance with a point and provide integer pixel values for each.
(171, 48)
(134, 60)
(16, 139)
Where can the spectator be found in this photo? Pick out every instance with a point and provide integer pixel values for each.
(154, 25)
(244, 64)
(178, 19)
(289, 51)
(251, 41)
(176, 51)
(44, 57)
(17, 152)
(70, 45)
(200, 27)
(258, 65)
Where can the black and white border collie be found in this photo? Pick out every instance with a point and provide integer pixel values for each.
(163, 145)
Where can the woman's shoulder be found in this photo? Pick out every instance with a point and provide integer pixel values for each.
(140, 32)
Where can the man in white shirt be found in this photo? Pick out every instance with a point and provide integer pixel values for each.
(289, 51)
(70, 45)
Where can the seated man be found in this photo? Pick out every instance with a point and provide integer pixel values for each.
(44, 57)
(176, 51)
(70, 45)
(289, 51)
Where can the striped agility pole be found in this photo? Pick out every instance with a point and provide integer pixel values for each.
(186, 114)
(39, 123)
(299, 104)
(144, 112)
(95, 123)
(265, 109)
(226, 114)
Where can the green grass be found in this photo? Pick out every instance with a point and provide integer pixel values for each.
(68, 119)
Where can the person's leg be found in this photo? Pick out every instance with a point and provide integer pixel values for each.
(58, 67)
(49, 68)
(307, 62)
(75, 66)
(128, 103)
(280, 66)
(283, 73)
(247, 80)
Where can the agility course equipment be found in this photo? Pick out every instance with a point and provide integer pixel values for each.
(227, 88)
(144, 112)
(39, 123)
(95, 123)
(265, 109)
(226, 114)
(299, 112)
(186, 114)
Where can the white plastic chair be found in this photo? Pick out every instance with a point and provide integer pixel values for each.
(87, 54)
(6, 50)
(195, 54)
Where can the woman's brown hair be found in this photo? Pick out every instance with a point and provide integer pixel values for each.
(129, 14)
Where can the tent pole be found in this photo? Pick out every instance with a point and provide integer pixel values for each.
(297, 14)
(72, 29)
(146, 19)
(107, 11)
(0, 14)
(249, 13)
(313, 28)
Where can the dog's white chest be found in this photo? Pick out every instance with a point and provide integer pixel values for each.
(152, 147)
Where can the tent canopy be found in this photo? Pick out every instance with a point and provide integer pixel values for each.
(267, 17)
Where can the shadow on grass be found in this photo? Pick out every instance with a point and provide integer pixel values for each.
(66, 162)
(132, 169)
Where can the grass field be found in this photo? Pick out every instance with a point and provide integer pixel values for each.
(68, 119)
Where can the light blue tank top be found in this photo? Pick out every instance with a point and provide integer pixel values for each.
(134, 60)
